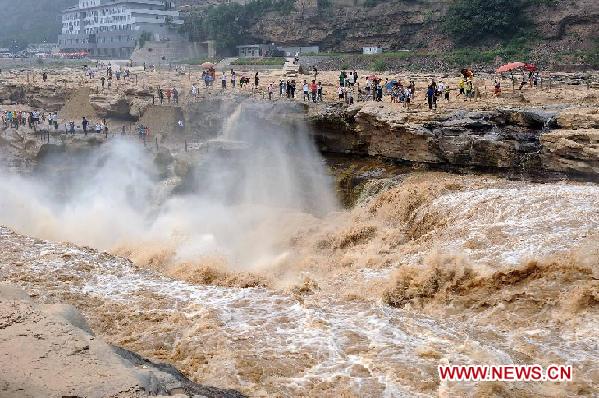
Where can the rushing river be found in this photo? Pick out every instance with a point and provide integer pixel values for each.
(245, 273)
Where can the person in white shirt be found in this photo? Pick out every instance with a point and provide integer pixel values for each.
(341, 93)
(223, 80)
(306, 91)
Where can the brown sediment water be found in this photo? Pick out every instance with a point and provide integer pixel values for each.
(433, 269)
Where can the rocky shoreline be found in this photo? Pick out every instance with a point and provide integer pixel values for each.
(68, 359)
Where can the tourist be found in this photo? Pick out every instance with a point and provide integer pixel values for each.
(349, 96)
(314, 90)
(175, 96)
(447, 93)
(103, 81)
(44, 77)
(306, 91)
(431, 97)
(342, 79)
(293, 89)
(281, 88)
(161, 95)
(270, 91)
(256, 80)
(341, 93)
(223, 81)
(319, 88)
(440, 88)
(169, 94)
(233, 78)
(84, 124)
(461, 86)
(469, 89)
(99, 128)
(72, 127)
(379, 91)
(497, 90)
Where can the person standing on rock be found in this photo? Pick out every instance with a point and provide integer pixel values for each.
(314, 90)
(175, 96)
(233, 78)
(168, 95)
(319, 89)
(84, 124)
(256, 80)
(161, 95)
(44, 77)
(103, 82)
(223, 81)
(431, 97)
(270, 91)
(306, 91)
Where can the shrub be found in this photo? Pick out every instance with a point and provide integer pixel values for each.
(469, 21)
(379, 65)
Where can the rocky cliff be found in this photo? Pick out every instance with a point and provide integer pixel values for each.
(561, 26)
(522, 140)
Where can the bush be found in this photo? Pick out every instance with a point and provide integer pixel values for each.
(380, 65)
(228, 24)
(470, 21)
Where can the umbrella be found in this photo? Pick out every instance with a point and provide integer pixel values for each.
(389, 86)
(530, 67)
(510, 67)
(207, 65)
(373, 77)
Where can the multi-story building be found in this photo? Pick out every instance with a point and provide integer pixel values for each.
(112, 28)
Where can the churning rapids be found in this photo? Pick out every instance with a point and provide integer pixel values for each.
(244, 273)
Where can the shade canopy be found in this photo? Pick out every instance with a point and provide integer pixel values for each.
(510, 67)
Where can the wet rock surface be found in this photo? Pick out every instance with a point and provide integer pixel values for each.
(71, 361)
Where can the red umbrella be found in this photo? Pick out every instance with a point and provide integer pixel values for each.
(373, 77)
(509, 67)
(530, 67)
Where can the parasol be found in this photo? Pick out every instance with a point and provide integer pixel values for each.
(510, 67)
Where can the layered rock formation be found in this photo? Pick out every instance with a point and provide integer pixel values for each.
(524, 139)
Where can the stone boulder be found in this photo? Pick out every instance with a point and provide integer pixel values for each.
(571, 151)
(578, 118)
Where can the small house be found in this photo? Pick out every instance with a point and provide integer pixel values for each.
(254, 51)
(372, 50)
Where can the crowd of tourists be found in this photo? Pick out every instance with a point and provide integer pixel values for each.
(31, 119)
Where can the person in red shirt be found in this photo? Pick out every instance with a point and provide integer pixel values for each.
(314, 90)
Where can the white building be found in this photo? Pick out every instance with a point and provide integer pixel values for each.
(111, 28)
(372, 50)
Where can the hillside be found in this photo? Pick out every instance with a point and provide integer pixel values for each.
(563, 31)
(31, 21)
(558, 29)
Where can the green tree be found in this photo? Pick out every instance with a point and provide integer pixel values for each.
(471, 21)
(228, 24)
